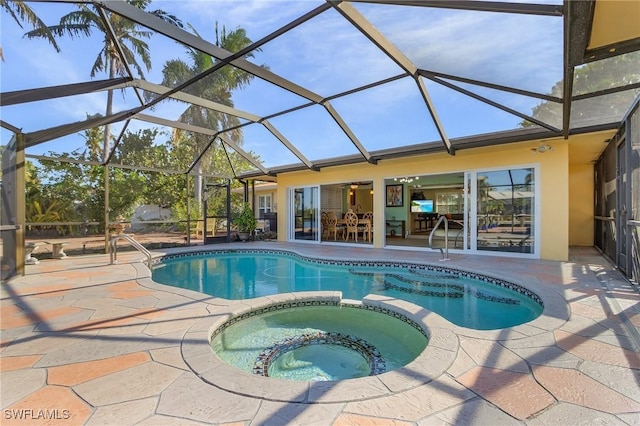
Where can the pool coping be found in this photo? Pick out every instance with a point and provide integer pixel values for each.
(427, 367)
(555, 312)
(430, 364)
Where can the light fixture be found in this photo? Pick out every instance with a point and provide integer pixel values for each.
(354, 186)
(542, 148)
(405, 179)
(371, 192)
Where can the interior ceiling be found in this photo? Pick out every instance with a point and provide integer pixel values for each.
(588, 31)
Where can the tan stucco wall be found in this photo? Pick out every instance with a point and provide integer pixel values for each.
(554, 183)
(581, 205)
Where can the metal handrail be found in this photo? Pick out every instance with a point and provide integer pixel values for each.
(114, 240)
(445, 252)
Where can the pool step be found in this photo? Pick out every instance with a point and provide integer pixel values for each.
(416, 286)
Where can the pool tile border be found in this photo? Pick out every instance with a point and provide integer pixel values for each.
(555, 313)
(431, 363)
(375, 360)
(363, 263)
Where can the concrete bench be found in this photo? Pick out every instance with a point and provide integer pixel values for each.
(57, 251)
(28, 249)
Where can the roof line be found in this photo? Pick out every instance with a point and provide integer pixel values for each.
(468, 142)
(474, 5)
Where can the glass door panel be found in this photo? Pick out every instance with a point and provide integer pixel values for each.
(305, 214)
(505, 210)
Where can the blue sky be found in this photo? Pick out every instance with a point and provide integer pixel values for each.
(325, 55)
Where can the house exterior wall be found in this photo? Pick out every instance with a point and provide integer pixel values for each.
(581, 209)
(554, 184)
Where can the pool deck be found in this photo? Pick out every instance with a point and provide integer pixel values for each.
(86, 342)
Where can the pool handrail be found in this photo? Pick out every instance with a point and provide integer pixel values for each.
(113, 252)
(445, 252)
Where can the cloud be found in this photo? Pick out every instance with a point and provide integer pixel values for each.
(326, 54)
(520, 50)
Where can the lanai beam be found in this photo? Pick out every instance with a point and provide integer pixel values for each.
(356, 19)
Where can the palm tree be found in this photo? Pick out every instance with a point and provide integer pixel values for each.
(216, 87)
(128, 35)
(130, 38)
(21, 12)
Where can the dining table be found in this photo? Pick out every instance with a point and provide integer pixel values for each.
(366, 222)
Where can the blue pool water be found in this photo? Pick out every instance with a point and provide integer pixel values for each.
(272, 343)
(462, 298)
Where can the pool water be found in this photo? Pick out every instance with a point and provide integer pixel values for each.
(319, 343)
(467, 301)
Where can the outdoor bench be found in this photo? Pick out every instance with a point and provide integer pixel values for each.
(57, 250)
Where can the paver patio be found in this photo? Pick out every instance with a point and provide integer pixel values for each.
(85, 342)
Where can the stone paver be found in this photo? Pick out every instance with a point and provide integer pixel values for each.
(595, 351)
(468, 413)
(191, 398)
(414, 404)
(563, 413)
(576, 388)
(488, 354)
(48, 405)
(623, 380)
(105, 343)
(124, 413)
(74, 374)
(20, 383)
(144, 380)
(347, 419)
(280, 413)
(18, 362)
(516, 393)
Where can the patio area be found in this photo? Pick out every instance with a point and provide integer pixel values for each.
(86, 342)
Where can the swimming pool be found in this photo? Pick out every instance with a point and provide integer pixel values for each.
(466, 299)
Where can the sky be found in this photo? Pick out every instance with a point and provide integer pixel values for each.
(325, 55)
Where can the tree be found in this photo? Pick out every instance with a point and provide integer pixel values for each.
(22, 13)
(130, 38)
(77, 186)
(592, 77)
(128, 35)
(216, 87)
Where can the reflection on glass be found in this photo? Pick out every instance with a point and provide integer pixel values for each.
(505, 210)
(305, 213)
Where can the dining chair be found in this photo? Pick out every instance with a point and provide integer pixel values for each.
(332, 225)
(366, 228)
(351, 225)
(323, 225)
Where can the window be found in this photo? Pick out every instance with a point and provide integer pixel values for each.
(449, 202)
(264, 205)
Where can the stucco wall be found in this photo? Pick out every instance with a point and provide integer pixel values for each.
(554, 183)
(581, 205)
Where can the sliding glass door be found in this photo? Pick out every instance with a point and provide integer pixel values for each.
(505, 216)
(303, 223)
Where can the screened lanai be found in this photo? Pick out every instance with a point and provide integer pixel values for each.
(192, 95)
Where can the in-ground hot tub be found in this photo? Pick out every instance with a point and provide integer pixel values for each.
(314, 346)
(318, 340)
